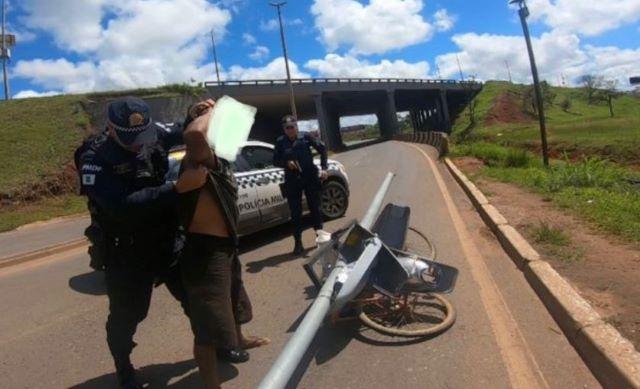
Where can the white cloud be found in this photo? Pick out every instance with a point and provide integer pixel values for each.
(25, 94)
(484, 55)
(274, 24)
(75, 25)
(444, 21)
(249, 39)
(613, 63)
(260, 53)
(296, 22)
(334, 65)
(22, 35)
(59, 74)
(234, 5)
(269, 25)
(585, 17)
(273, 70)
(374, 28)
(557, 55)
(143, 43)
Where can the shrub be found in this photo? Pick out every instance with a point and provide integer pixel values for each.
(516, 158)
(566, 104)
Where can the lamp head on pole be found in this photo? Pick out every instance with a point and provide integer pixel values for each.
(523, 9)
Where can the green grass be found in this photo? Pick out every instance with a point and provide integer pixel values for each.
(547, 234)
(15, 216)
(555, 242)
(37, 139)
(587, 129)
(596, 190)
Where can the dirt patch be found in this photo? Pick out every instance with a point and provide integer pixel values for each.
(605, 270)
(471, 166)
(62, 183)
(507, 109)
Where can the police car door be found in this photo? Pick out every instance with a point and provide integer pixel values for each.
(267, 179)
(247, 194)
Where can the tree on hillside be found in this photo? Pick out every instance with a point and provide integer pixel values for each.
(591, 85)
(529, 102)
(608, 92)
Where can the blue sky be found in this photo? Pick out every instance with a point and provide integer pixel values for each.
(71, 46)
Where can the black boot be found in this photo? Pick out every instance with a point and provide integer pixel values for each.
(298, 249)
(127, 375)
(232, 355)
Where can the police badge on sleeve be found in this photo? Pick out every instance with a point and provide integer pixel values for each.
(89, 174)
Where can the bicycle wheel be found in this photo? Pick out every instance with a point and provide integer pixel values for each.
(410, 315)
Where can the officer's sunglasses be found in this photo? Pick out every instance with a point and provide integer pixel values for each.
(290, 127)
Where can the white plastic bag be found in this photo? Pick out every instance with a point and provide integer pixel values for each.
(229, 127)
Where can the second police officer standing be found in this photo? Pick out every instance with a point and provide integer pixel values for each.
(293, 153)
(122, 173)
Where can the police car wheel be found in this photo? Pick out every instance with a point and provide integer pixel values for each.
(334, 200)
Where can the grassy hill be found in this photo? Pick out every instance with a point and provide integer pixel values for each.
(37, 140)
(597, 180)
(583, 129)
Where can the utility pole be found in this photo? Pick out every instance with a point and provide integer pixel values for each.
(438, 70)
(509, 71)
(215, 56)
(460, 68)
(5, 52)
(523, 11)
(292, 99)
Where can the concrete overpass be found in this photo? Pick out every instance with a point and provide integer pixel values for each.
(432, 104)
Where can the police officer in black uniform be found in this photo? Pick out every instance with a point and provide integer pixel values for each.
(293, 153)
(133, 218)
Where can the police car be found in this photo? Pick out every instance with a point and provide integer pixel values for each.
(260, 199)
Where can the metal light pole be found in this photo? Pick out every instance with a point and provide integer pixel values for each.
(292, 99)
(215, 56)
(5, 53)
(285, 366)
(523, 11)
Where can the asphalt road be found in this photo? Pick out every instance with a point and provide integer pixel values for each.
(53, 310)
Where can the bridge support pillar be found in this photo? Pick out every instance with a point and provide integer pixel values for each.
(443, 108)
(328, 123)
(388, 117)
(414, 120)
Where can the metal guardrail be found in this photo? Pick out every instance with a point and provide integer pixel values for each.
(313, 81)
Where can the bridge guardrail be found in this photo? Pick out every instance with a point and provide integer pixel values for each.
(439, 140)
(298, 81)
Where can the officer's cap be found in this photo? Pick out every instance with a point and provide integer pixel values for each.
(131, 119)
(289, 120)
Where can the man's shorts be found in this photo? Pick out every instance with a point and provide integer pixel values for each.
(207, 270)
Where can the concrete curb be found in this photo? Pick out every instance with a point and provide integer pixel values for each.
(612, 359)
(41, 253)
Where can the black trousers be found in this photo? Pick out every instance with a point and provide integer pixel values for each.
(311, 189)
(129, 288)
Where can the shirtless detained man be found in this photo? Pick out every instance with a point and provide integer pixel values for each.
(209, 264)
